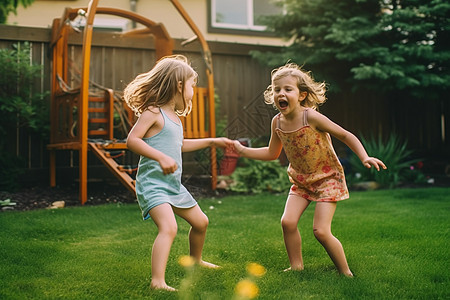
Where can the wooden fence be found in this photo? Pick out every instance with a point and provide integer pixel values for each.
(239, 82)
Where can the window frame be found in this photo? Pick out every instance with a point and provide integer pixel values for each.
(229, 28)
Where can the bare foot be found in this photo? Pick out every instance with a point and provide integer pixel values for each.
(298, 269)
(208, 265)
(350, 275)
(163, 287)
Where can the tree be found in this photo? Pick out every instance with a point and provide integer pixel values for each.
(416, 36)
(383, 45)
(20, 107)
(10, 6)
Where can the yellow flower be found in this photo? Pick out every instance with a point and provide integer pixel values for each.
(246, 289)
(256, 269)
(186, 261)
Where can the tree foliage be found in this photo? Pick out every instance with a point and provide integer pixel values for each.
(20, 105)
(10, 6)
(383, 45)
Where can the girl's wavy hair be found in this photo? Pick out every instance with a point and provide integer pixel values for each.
(305, 83)
(160, 85)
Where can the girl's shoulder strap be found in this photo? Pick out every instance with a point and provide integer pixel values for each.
(153, 109)
(164, 115)
(305, 117)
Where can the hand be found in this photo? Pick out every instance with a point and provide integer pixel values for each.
(223, 142)
(168, 165)
(373, 161)
(238, 146)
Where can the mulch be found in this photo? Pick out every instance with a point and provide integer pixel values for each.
(104, 192)
(42, 197)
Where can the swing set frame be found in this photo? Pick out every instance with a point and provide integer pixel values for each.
(71, 131)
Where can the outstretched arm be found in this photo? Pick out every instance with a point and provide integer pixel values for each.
(271, 152)
(197, 144)
(322, 123)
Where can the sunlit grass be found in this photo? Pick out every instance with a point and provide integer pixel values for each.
(396, 243)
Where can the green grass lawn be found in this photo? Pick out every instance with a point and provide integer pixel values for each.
(396, 241)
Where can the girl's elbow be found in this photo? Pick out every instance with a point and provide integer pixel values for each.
(274, 154)
(130, 144)
(271, 156)
(347, 138)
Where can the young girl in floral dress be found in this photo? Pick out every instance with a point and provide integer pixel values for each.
(314, 170)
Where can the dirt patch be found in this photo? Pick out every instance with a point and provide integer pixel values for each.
(103, 192)
(41, 197)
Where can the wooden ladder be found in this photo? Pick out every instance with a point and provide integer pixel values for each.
(123, 173)
(101, 115)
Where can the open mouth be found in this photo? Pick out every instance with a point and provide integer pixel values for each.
(283, 103)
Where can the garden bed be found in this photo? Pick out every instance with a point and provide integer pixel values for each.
(103, 192)
(99, 192)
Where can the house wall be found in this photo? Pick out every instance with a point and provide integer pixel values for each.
(41, 14)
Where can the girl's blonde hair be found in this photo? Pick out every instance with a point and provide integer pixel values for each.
(160, 85)
(305, 83)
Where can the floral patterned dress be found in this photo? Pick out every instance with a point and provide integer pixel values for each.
(314, 170)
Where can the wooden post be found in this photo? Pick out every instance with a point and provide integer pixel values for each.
(52, 168)
(209, 73)
(84, 100)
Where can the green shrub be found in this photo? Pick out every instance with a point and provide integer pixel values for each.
(20, 107)
(12, 168)
(393, 153)
(413, 174)
(256, 176)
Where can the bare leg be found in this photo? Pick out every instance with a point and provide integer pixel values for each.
(197, 234)
(323, 216)
(295, 206)
(164, 219)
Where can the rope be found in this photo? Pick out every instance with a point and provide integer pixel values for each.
(111, 155)
(118, 102)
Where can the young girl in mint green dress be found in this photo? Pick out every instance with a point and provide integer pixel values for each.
(314, 169)
(158, 97)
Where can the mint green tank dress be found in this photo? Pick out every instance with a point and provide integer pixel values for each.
(153, 188)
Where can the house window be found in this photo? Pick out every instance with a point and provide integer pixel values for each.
(241, 14)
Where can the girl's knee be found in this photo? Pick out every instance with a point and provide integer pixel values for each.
(201, 224)
(322, 234)
(170, 230)
(288, 225)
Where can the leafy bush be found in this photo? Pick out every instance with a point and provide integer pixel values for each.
(12, 168)
(413, 174)
(256, 176)
(20, 106)
(393, 153)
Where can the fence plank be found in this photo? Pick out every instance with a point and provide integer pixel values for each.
(239, 82)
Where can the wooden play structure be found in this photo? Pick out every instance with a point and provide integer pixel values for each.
(82, 120)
